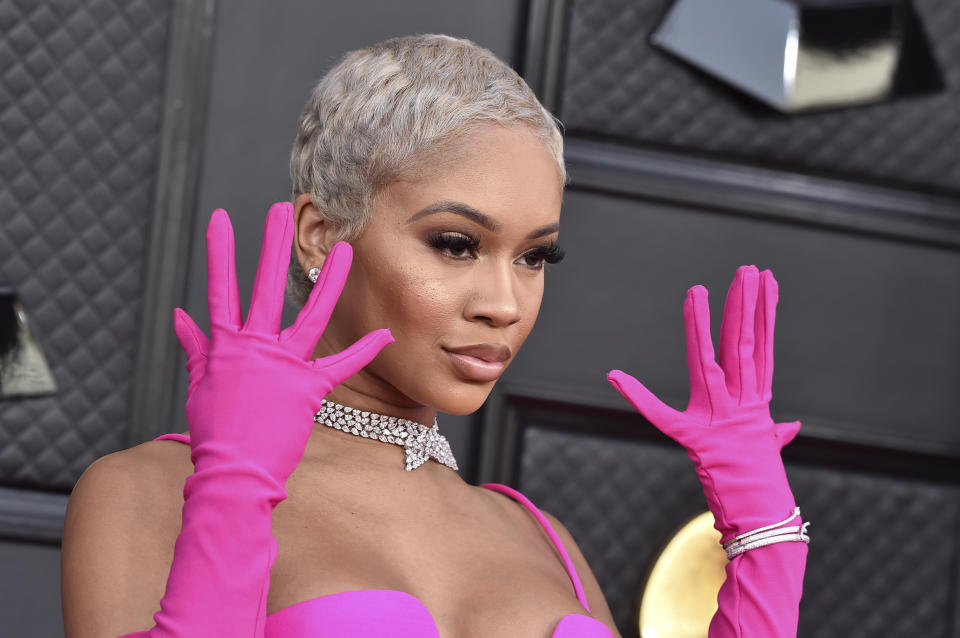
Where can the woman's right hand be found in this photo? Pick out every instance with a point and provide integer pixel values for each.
(253, 389)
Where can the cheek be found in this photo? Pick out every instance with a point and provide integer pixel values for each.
(419, 307)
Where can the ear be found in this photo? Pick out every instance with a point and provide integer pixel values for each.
(314, 236)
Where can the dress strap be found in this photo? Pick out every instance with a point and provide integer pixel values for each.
(174, 436)
(548, 528)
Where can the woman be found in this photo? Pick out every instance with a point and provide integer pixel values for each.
(439, 167)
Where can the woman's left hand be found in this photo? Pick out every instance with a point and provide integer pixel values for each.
(727, 429)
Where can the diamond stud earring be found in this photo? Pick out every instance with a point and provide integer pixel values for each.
(314, 274)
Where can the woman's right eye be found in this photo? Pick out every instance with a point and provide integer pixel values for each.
(455, 245)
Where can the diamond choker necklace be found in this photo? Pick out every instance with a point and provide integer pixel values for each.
(420, 442)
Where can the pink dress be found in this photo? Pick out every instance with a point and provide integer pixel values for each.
(374, 613)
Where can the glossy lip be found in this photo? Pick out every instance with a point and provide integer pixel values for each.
(479, 362)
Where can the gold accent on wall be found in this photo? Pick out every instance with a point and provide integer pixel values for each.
(680, 595)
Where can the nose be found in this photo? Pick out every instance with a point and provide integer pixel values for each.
(495, 299)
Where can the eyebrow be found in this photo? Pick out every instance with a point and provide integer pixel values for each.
(471, 213)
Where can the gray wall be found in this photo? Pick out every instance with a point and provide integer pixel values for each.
(81, 101)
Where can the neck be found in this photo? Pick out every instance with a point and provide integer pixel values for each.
(354, 395)
(367, 392)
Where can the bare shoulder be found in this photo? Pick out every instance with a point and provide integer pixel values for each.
(121, 524)
(132, 487)
(599, 608)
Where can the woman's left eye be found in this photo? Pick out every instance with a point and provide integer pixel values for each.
(547, 254)
(533, 260)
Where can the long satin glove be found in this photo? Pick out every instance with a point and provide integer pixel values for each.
(252, 396)
(729, 434)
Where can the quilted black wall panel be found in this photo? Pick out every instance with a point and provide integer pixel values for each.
(616, 84)
(882, 552)
(80, 101)
(886, 557)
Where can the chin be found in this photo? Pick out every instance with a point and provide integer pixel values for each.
(462, 398)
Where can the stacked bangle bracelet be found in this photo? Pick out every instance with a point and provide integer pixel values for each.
(768, 535)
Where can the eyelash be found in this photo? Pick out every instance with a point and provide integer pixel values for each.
(546, 254)
(458, 242)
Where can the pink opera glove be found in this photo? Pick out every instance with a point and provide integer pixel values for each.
(252, 395)
(729, 434)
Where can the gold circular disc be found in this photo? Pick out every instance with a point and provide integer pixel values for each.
(680, 596)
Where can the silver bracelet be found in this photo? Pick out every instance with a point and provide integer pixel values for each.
(768, 535)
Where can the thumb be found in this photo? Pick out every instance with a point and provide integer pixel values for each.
(786, 432)
(653, 409)
(192, 340)
(341, 366)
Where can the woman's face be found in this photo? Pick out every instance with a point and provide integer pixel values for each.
(453, 264)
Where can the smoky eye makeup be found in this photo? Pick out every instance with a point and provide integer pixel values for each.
(550, 253)
(539, 256)
(454, 244)
(461, 245)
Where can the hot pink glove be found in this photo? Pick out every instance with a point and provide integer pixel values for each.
(729, 434)
(250, 404)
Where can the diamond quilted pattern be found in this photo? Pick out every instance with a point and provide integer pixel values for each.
(885, 564)
(882, 550)
(616, 84)
(80, 102)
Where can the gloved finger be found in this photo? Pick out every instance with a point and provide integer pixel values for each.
(189, 334)
(662, 416)
(707, 386)
(765, 319)
(194, 343)
(266, 301)
(737, 335)
(223, 298)
(343, 365)
(312, 319)
(786, 432)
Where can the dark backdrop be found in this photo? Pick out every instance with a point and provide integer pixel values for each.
(123, 124)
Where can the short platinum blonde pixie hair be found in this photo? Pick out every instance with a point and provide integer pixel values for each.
(391, 111)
